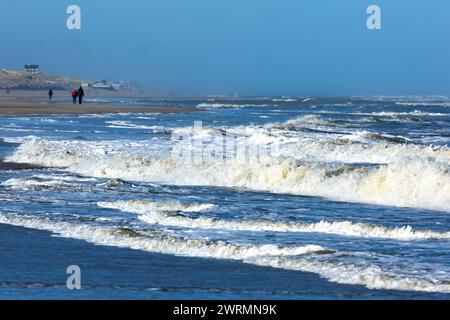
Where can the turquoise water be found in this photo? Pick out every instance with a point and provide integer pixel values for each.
(357, 192)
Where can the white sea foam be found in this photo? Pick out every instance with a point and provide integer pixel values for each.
(18, 139)
(48, 120)
(161, 213)
(163, 206)
(228, 105)
(65, 153)
(372, 277)
(20, 129)
(303, 258)
(416, 113)
(367, 136)
(417, 184)
(154, 241)
(424, 103)
(285, 100)
(404, 174)
(129, 125)
(44, 181)
(33, 183)
(421, 179)
(346, 147)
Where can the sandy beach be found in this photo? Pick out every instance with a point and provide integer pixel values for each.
(21, 108)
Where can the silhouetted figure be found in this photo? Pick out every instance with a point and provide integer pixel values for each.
(7, 91)
(80, 94)
(50, 95)
(74, 95)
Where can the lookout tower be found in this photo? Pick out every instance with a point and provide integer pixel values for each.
(32, 68)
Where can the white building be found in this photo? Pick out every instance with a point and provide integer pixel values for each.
(32, 68)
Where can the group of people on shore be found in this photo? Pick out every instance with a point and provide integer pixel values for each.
(76, 94)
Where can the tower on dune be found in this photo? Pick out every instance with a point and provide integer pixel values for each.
(32, 68)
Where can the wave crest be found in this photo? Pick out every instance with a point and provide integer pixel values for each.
(162, 213)
(302, 258)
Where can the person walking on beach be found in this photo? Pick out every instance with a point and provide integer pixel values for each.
(74, 95)
(50, 95)
(80, 94)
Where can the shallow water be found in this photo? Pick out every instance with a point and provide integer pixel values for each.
(358, 191)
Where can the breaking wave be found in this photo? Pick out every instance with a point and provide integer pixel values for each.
(303, 258)
(312, 138)
(154, 241)
(129, 125)
(424, 104)
(228, 105)
(162, 213)
(421, 181)
(164, 206)
(346, 166)
(38, 182)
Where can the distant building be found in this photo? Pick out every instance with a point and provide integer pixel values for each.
(32, 68)
(110, 85)
(101, 84)
(121, 85)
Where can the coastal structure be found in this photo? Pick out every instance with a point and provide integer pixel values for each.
(32, 79)
(32, 68)
(110, 85)
(100, 84)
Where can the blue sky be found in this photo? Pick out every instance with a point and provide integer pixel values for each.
(253, 47)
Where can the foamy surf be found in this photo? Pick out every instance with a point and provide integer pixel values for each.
(104, 179)
(292, 258)
(163, 206)
(162, 213)
(228, 105)
(154, 241)
(45, 181)
(129, 125)
(313, 138)
(414, 184)
(420, 179)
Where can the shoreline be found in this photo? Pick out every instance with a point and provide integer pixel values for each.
(34, 266)
(28, 108)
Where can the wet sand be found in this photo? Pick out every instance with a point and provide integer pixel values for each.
(33, 266)
(27, 108)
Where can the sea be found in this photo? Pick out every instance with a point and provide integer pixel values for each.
(244, 198)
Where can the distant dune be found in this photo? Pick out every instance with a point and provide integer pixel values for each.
(27, 81)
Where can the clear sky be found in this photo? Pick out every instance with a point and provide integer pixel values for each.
(253, 47)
